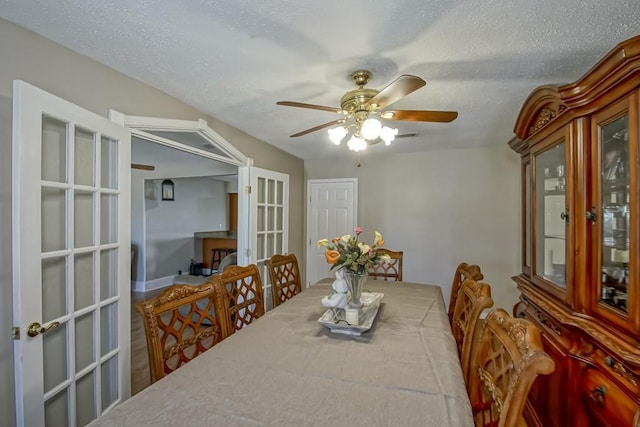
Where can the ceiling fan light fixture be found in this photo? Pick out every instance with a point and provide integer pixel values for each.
(371, 128)
(337, 134)
(388, 134)
(356, 144)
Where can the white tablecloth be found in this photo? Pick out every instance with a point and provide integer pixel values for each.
(286, 369)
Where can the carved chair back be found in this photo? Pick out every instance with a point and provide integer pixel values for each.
(391, 271)
(463, 272)
(473, 298)
(244, 292)
(508, 358)
(181, 323)
(285, 277)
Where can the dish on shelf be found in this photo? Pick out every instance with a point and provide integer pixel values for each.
(622, 135)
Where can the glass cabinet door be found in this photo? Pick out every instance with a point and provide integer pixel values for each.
(613, 141)
(551, 215)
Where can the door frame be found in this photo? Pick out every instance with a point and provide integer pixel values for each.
(141, 127)
(310, 182)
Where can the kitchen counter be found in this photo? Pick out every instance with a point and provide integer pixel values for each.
(216, 245)
(222, 234)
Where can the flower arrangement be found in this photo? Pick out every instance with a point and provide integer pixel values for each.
(349, 253)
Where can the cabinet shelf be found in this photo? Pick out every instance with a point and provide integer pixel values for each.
(616, 185)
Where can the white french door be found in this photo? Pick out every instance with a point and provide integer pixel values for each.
(71, 251)
(332, 211)
(269, 221)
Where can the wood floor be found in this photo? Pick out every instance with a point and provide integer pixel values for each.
(140, 378)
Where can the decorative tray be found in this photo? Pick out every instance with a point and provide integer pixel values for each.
(334, 319)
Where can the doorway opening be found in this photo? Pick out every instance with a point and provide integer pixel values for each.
(170, 237)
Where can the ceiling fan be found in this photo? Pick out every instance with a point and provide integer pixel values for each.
(360, 109)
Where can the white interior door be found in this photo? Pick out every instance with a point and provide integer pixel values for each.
(332, 211)
(269, 229)
(71, 250)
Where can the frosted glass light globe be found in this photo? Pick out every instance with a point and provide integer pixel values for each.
(356, 144)
(337, 134)
(388, 134)
(371, 129)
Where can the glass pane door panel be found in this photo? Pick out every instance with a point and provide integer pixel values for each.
(271, 189)
(54, 150)
(279, 219)
(551, 214)
(83, 280)
(261, 247)
(85, 400)
(261, 218)
(108, 328)
(84, 153)
(527, 215)
(108, 273)
(109, 371)
(614, 146)
(261, 190)
(108, 218)
(56, 410)
(108, 163)
(54, 218)
(270, 218)
(54, 348)
(84, 341)
(83, 221)
(270, 245)
(280, 192)
(54, 288)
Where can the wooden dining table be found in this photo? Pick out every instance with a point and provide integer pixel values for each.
(286, 369)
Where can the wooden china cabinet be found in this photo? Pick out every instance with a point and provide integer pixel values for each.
(580, 281)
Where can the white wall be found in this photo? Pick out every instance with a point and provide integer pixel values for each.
(441, 208)
(200, 205)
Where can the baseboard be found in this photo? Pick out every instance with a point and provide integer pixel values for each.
(150, 285)
(137, 286)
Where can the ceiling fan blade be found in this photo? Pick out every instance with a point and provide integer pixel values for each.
(396, 90)
(310, 106)
(420, 115)
(326, 125)
(142, 167)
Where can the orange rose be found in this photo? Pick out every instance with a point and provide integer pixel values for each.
(332, 256)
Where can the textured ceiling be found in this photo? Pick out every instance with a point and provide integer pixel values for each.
(234, 59)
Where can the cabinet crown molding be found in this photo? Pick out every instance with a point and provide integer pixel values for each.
(583, 96)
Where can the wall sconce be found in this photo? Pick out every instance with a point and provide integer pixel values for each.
(167, 190)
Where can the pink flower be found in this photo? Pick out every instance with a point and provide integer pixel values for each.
(358, 230)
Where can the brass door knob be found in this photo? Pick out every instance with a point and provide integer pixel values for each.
(34, 329)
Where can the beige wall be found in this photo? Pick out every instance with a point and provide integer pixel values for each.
(78, 79)
(441, 208)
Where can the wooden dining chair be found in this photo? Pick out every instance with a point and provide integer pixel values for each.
(463, 272)
(181, 323)
(285, 277)
(508, 359)
(244, 293)
(473, 298)
(391, 271)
